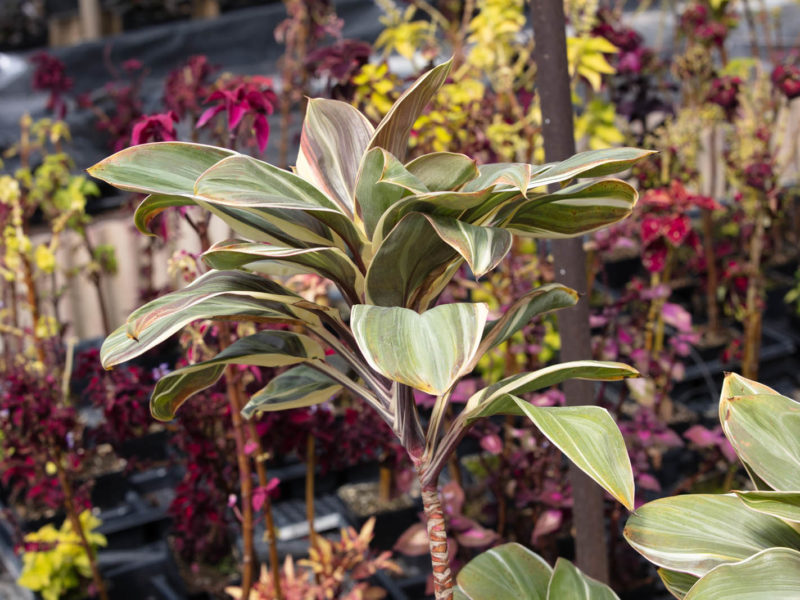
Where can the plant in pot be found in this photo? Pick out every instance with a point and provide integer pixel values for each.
(691, 537)
(390, 236)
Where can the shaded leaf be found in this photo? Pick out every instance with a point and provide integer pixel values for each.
(773, 574)
(694, 533)
(263, 349)
(784, 505)
(429, 352)
(443, 171)
(298, 387)
(507, 571)
(678, 584)
(590, 438)
(334, 138)
(568, 582)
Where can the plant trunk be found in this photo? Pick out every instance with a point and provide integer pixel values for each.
(74, 519)
(752, 326)
(437, 541)
(550, 54)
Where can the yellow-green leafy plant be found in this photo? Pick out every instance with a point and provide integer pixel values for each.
(390, 234)
(55, 560)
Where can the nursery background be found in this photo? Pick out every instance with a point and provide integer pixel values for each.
(307, 482)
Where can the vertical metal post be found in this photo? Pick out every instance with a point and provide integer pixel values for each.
(553, 88)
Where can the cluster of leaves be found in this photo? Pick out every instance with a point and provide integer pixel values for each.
(334, 569)
(55, 563)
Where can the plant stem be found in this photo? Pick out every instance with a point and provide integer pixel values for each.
(33, 303)
(245, 476)
(310, 468)
(752, 328)
(437, 541)
(96, 278)
(269, 519)
(74, 519)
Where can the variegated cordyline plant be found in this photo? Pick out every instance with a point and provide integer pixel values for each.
(390, 235)
(744, 545)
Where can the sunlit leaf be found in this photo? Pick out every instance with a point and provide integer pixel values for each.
(482, 247)
(429, 352)
(442, 171)
(784, 505)
(568, 582)
(678, 584)
(695, 533)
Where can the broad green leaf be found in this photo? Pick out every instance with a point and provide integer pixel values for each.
(784, 505)
(516, 175)
(429, 352)
(764, 430)
(443, 171)
(695, 533)
(543, 299)
(393, 131)
(592, 163)
(494, 399)
(327, 262)
(298, 387)
(568, 582)
(590, 438)
(735, 385)
(773, 574)
(334, 138)
(482, 247)
(503, 572)
(444, 204)
(678, 584)
(570, 212)
(246, 183)
(263, 349)
(216, 294)
(382, 181)
(406, 263)
(159, 168)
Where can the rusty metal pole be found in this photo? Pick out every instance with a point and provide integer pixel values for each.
(553, 88)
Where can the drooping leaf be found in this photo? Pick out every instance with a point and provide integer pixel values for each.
(216, 294)
(507, 571)
(169, 168)
(590, 438)
(153, 205)
(406, 262)
(764, 430)
(678, 584)
(443, 171)
(482, 247)
(393, 131)
(695, 533)
(592, 163)
(334, 138)
(263, 349)
(543, 299)
(246, 183)
(328, 262)
(382, 181)
(494, 399)
(568, 582)
(572, 211)
(429, 352)
(772, 574)
(515, 175)
(298, 387)
(784, 505)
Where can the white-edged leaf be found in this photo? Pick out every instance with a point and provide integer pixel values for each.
(568, 582)
(298, 387)
(505, 572)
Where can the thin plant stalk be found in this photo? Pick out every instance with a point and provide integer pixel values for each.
(752, 329)
(310, 468)
(74, 519)
(96, 278)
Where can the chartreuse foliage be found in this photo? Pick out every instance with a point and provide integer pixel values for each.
(390, 235)
(60, 562)
(744, 545)
(513, 571)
